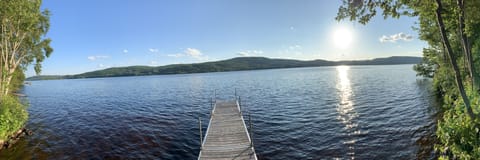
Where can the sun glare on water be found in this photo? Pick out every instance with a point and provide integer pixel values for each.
(342, 38)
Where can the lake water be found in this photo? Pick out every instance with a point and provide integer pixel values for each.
(361, 112)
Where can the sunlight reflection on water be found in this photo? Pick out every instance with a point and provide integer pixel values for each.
(346, 108)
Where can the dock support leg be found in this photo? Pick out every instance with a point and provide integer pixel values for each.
(240, 103)
(211, 108)
(250, 129)
(215, 95)
(200, 127)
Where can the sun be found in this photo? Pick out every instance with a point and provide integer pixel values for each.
(342, 38)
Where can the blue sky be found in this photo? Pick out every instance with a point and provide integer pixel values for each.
(90, 34)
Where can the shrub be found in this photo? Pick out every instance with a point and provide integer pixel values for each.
(13, 116)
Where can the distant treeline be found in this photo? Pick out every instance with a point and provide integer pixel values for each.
(235, 64)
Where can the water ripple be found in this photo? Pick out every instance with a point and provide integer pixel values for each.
(361, 112)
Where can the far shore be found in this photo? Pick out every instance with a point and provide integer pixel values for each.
(234, 64)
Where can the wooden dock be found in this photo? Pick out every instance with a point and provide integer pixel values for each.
(227, 136)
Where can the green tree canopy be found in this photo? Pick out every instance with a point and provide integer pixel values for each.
(23, 26)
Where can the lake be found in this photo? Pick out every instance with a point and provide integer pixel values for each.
(361, 112)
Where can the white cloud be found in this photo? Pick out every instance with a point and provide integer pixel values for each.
(193, 52)
(292, 28)
(295, 47)
(153, 50)
(101, 65)
(125, 51)
(249, 53)
(244, 54)
(257, 52)
(175, 55)
(396, 37)
(292, 50)
(190, 52)
(93, 58)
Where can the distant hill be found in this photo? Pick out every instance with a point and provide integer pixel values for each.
(45, 77)
(234, 64)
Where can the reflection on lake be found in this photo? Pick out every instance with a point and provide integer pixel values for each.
(361, 112)
(346, 108)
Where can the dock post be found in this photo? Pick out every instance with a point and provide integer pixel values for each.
(236, 93)
(215, 95)
(251, 127)
(240, 103)
(201, 137)
(211, 107)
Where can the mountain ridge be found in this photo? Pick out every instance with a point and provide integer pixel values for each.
(233, 64)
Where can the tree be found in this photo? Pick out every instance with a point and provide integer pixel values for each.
(22, 38)
(362, 11)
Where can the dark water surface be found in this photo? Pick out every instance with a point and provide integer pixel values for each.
(361, 112)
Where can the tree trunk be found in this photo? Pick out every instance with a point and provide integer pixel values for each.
(2, 82)
(7, 84)
(453, 60)
(465, 43)
(6, 78)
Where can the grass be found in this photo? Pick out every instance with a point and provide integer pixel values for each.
(13, 116)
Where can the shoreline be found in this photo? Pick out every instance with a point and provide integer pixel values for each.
(11, 140)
